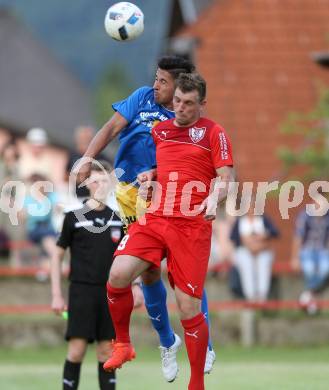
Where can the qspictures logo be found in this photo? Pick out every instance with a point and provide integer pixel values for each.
(239, 197)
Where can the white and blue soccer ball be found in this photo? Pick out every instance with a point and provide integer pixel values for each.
(124, 21)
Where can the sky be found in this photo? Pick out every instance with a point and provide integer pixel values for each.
(74, 32)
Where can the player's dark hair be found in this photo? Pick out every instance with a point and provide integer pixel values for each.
(101, 166)
(188, 82)
(175, 65)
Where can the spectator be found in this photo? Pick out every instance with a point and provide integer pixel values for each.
(11, 235)
(9, 156)
(310, 252)
(39, 207)
(82, 137)
(253, 255)
(35, 160)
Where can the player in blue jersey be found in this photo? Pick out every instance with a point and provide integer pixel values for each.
(133, 119)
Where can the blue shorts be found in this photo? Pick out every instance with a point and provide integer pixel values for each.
(41, 231)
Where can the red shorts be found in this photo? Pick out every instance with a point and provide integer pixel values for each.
(184, 242)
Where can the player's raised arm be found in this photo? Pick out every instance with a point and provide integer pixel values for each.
(102, 138)
(106, 134)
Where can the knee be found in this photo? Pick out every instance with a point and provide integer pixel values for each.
(188, 309)
(103, 352)
(118, 278)
(75, 355)
(151, 276)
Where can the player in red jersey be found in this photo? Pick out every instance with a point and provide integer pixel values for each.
(193, 154)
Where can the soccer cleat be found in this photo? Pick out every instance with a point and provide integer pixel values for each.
(210, 360)
(168, 358)
(121, 353)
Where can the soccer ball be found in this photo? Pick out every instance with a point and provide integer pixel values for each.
(124, 21)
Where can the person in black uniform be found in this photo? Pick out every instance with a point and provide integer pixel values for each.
(92, 232)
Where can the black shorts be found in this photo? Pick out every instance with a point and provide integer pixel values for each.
(89, 316)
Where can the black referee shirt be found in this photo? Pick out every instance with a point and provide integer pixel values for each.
(91, 252)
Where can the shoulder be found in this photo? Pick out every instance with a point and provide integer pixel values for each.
(137, 98)
(210, 129)
(145, 90)
(212, 126)
(160, 127)
(208, 122)
(169, 123)
(71, 208)
(114, 218)
(69, 219)
(143, 93)
(110, 212)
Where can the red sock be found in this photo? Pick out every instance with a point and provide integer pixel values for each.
(121, 303)
(196, 340)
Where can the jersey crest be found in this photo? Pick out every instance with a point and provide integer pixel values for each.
(197, 133)
(115, 234)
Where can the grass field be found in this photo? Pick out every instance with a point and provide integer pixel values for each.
(236, 369)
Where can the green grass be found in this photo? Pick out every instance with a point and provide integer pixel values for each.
(235, 369)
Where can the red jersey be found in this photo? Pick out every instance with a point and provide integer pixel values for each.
(187, 158)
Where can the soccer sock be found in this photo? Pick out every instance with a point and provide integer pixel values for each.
(121, 303)
(71, 375)
(205, 311)
(196, 339)
(106, 379)
(155, 296)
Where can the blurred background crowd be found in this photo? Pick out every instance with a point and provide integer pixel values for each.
(242, 247)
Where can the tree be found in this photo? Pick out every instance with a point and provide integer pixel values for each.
(311, 157)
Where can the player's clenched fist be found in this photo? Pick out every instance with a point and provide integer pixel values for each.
(144, 179)
(81, 171)
(146, 176)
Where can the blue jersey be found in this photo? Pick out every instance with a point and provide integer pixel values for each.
(136, 152)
